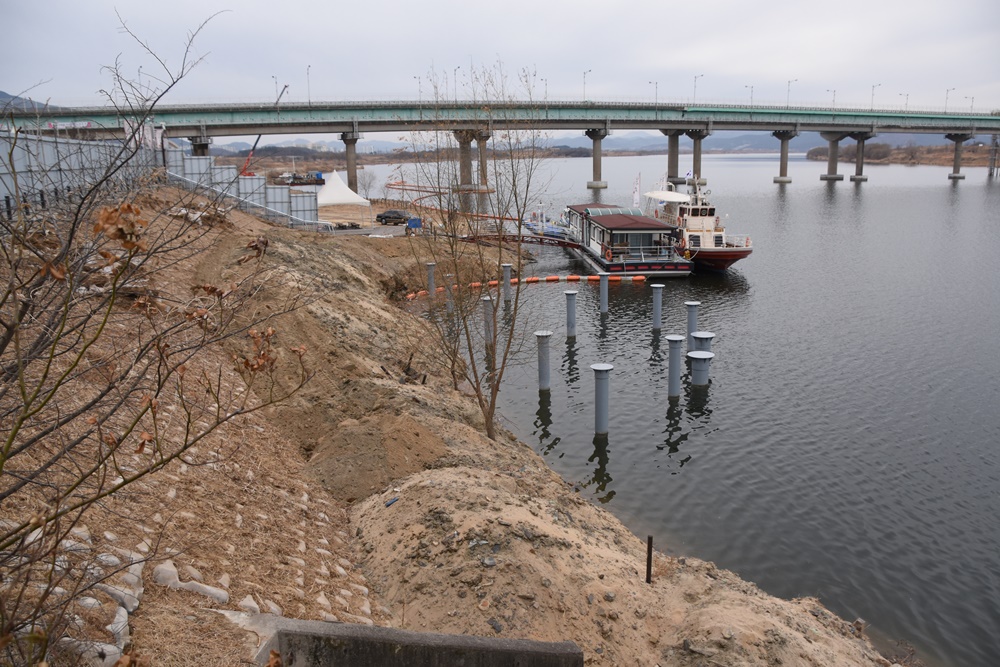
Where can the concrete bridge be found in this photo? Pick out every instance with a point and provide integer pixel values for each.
(476, 120)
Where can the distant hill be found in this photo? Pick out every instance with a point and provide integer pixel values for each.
(13, 101)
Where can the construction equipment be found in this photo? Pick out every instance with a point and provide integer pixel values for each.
(243, 171)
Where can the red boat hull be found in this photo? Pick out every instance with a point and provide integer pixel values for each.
(718, 259)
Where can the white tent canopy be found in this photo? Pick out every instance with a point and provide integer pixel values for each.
(336, 192)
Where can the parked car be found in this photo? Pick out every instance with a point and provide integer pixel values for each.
(392, 216)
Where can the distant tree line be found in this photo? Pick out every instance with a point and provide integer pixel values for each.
(849, 153)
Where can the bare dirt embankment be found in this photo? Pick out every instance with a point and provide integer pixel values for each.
(366, 499)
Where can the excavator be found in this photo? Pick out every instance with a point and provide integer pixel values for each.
(246, 165)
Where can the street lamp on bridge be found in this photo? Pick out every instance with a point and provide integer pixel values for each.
(906, 101)
(873, 95)
(946, 93)
(455, 76)
(275, 87)
(656, 91)
(420, 94)
(694, 94)
(788, 93)
(751, 95)
(309, 97)
(833, 104)
(972, 102)
(585, 84)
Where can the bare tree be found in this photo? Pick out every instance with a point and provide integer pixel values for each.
(110, 358)
(366, 181)
(475, 224)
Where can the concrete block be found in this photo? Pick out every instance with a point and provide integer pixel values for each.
(303, 643)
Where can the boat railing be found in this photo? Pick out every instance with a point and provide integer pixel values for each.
(737, 241)
(644, 253)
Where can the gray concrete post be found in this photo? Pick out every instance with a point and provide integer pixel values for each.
(692, 308)
(703, 340)
(506, 282)
(488, 319)
(604, 292)
(431, 289)
(450, 299)
(571, 314)
(701, 363)
(657, 306)
(602, 393)
(544, 382)
(676, 342)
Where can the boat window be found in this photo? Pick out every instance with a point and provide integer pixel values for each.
(694, 241)
(684, 210)
(704, 211)
(711, 211)
(719, 243)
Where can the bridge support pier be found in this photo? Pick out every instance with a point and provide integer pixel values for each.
(784, 136)
(350, 140)
(959, 140)
(831, 163)
(994, 150)
(465, 186)
(859, 162)
(673, 155)
(482, 137)
(696, 137)
(199, 145)
(596, 136)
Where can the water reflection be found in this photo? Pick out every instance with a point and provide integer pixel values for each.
(570, 366)
(600, 477)
(683, 420)
(655, 355)
(543, 422)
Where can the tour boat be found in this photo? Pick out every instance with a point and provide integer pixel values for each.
(703, 238)
(624, 241)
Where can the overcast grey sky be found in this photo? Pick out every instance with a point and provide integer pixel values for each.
(912, 51)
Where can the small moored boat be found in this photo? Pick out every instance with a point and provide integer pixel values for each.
(624, 241)
(703, 238)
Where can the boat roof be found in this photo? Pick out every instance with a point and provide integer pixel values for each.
(668, 196)
(609, 218)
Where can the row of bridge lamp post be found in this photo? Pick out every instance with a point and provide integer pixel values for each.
(699, 343)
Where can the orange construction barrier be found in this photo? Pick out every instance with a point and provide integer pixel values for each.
(572, 278)
(532, 279)
(551, 279)
(493, 283)
(593, 279)
(615, 279)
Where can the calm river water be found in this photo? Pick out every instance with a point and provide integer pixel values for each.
(849, 445)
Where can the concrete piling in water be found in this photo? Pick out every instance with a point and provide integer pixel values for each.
(488, 320)
(571, 314)
(657, 307)
(544, 383)
(430, 279)
(506, 282)
(692, 308)
(602, 392)
(604, 292)
(701, 362)
(676, 342)
(703, 340)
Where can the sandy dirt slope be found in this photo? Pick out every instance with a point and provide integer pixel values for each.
(364, 499)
